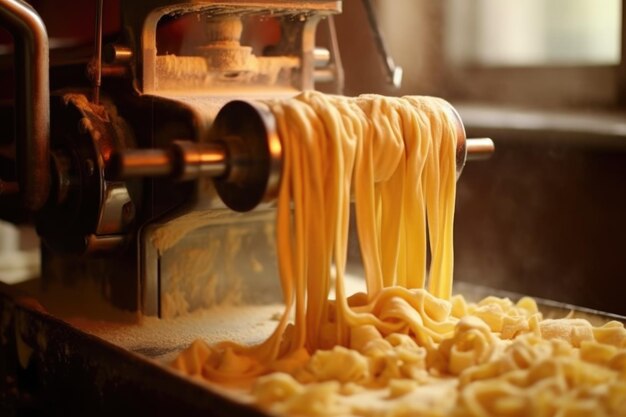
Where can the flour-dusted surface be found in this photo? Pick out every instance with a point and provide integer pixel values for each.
(162, 339)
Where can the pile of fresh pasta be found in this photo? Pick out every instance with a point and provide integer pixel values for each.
(406, 346)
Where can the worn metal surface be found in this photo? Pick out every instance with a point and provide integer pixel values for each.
(50, 368)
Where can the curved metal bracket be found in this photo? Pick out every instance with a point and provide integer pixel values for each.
(32, 100)
(394, 72)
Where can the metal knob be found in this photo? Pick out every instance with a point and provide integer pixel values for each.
(468, 149)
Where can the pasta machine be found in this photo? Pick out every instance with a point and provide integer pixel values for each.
(152, 187)
(132, 179)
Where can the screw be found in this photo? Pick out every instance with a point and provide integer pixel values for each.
(128, 212)
(90, 167)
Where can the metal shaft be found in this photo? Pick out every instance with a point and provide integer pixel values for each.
(189, 160)
(183, 160)
(468, 149)
(479, 149)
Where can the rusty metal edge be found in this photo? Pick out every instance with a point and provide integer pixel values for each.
(53, 368)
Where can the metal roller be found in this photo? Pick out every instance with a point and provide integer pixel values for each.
(244, 156)
(476, 149)
(254, 155)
